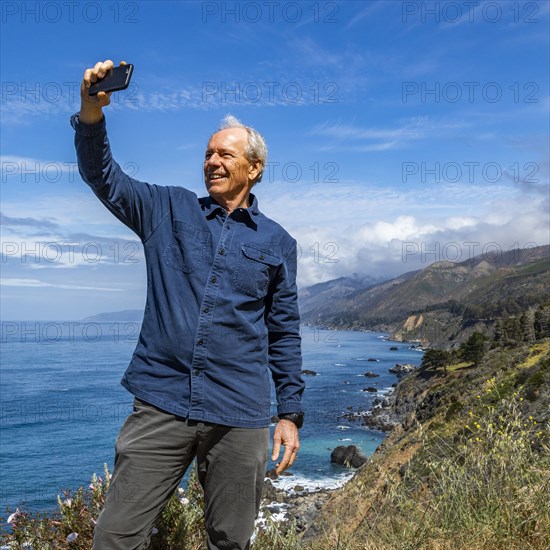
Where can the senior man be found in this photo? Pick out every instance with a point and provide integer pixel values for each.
(221, 319)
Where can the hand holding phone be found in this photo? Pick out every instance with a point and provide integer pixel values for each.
(91, 105)
(116, 78)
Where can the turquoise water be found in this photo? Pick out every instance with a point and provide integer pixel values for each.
(62, 404)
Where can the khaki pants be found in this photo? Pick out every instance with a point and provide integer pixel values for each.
(152, 452)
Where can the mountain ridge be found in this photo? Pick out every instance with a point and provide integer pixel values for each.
(474, 293)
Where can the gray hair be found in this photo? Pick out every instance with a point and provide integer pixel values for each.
(256, 148)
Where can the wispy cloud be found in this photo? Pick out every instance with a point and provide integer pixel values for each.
(31, 167)
(36, 283)
(312, 52)
(370, 9)
(37, 223)
(345, 131)
(384, 138)
(254, 92)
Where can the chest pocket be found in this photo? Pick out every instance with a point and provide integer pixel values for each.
(254, 270)
(187, 247)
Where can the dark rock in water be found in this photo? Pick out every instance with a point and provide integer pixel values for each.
(299, 488)
(309, 372)
(380, 402)
(349, 456)
(371, 374)
(272, 474)
(352, 416)
(402, 370)
(370, 389)
(380, 422)
(394, 348)
(372, 359)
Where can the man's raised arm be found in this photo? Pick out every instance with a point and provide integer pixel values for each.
(137, 204)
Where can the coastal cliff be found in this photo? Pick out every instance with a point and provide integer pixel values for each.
(466, 428)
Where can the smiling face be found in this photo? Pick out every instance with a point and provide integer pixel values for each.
(228, 174)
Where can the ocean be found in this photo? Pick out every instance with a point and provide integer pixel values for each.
(62, 404)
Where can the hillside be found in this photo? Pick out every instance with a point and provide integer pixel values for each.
(456, 459)
(314, 297)
(438, 304)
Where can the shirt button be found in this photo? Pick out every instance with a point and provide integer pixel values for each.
(200, 342)
(262, 257)
(222, 251)
(213, 279)
(196, 372)
(205, 310)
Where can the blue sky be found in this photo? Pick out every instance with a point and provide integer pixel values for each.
(399, 133)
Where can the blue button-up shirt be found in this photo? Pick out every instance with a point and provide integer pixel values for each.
(221, 317)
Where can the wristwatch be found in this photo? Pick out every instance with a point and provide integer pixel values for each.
(296, 418)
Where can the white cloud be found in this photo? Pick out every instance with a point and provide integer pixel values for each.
(359, 228)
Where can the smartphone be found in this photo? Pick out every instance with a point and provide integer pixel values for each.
(117, 78)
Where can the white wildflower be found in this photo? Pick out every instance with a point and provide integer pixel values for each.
(12, 518)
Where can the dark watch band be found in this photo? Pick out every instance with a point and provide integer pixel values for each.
(296, 418)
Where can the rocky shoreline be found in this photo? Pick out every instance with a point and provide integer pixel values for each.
(301, 505)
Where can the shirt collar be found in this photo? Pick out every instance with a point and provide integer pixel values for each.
(210, 205)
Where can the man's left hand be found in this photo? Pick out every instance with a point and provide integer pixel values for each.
(286, 434)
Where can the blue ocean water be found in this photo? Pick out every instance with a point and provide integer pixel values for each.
(62, 404)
